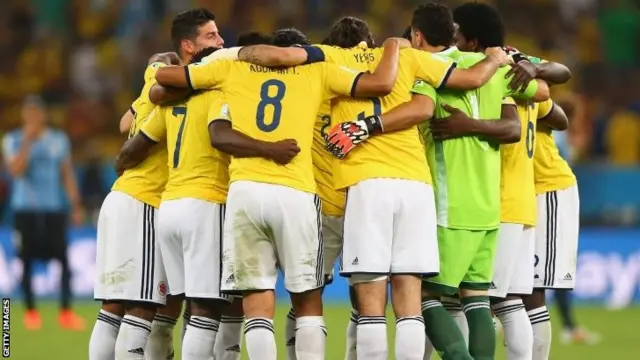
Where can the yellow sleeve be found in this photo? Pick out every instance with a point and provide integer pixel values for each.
(544, 108)
(155, 127)
(432, 68)
(339, 80)
(219, 110)
(331, 53)
(508, 101)
(207, 76)
(150, 72)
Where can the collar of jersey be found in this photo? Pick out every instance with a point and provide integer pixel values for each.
(449, 50)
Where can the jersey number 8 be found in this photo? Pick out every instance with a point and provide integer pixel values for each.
(275, 101)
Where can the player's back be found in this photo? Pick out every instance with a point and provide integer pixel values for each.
(380, 156)
(147, 180)
(196, 169)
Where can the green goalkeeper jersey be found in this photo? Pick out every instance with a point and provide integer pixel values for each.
(466, 170)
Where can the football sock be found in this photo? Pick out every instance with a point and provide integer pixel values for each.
(132, 338)
(371, 338)
(229, 339)
(482, 334)
(563, 298)
(160, 342)
(428, 348)
(410, 338)
(443, 331)
(311, 338)
(540, 322)
(185, 321)
(199, 338)
(102, 345)
(290, 335)
(350, 352)
(518, 333)
(259, 335)
(453, 306)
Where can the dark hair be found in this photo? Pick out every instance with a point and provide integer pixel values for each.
(349, 31)
(288, 37)
(435, 22)
(197, 57)
(253, 38)
(186, 24)
(407, 33)
(480, 22)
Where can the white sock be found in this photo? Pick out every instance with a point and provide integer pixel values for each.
(428, 348)
(132, 338)
(410, 337)
(261, 342)
(311, 337)
(350, 353)
(372, 338)
(102, 345)
(186, 315)
(290, 335)
(229, 338)
(453, 306)
(160, 342)
(199, 338)
(518, 333)
(541, 324)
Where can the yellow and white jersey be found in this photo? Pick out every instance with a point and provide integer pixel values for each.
(332, 200)
(147, 180)
(552, 172)
(196, 169)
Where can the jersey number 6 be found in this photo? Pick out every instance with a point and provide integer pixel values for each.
(275, 101)
(178, 111)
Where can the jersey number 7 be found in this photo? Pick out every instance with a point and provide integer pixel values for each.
(275, 101)
(179, 111)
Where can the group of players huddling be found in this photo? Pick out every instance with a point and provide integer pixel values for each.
(425, 165)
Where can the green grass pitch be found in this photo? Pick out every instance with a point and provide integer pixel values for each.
(618, 329)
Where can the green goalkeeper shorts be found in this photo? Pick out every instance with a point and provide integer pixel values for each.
(466, 260)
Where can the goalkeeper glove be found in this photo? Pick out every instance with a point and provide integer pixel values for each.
(343, 137)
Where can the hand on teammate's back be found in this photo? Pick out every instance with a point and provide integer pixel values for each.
(455, 125)
(523, 72)
(283, 151)
(498, 54)
(402, 43)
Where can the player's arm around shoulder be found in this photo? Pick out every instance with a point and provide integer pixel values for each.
(268, 55)
(552, 116)
(480, 73)
(419, 109)
(381, 81)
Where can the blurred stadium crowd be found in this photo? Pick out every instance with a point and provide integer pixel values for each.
(86, 58)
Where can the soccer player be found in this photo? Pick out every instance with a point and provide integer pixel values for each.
(273, 215)
(389, 226)
(132, 205)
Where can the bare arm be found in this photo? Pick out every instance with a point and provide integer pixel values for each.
(475, 76)
(556, 119)
(505, 130)
(125, 121)
(381, 82)
(161, 95)
(268, 55)
(169, 58)
(543, 93)
(409, 114)
(18, 164)
(70, 183)
(553, 72)
(224, 138)
(133, 152)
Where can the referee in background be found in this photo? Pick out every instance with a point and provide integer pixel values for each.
(38, 159)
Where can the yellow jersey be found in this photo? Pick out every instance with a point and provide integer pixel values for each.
(552, 172)
(398, 154)
(196, 169)
(147, 180)
(271, 105)
(517, 189)
(333, 200)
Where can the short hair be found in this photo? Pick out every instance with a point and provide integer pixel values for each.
(197, 57)
(407, 33)
(350, 31)
(186, 24)
(480, 22)
(253, 38)
(288, 37)
(435, 22)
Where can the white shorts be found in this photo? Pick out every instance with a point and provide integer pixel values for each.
(557, 239)
(271, 227)
(332, 238)
(190, 233)
(390, 228)
(513, 264)
(128, 262)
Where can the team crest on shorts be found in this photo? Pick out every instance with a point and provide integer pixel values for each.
(162, 288)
